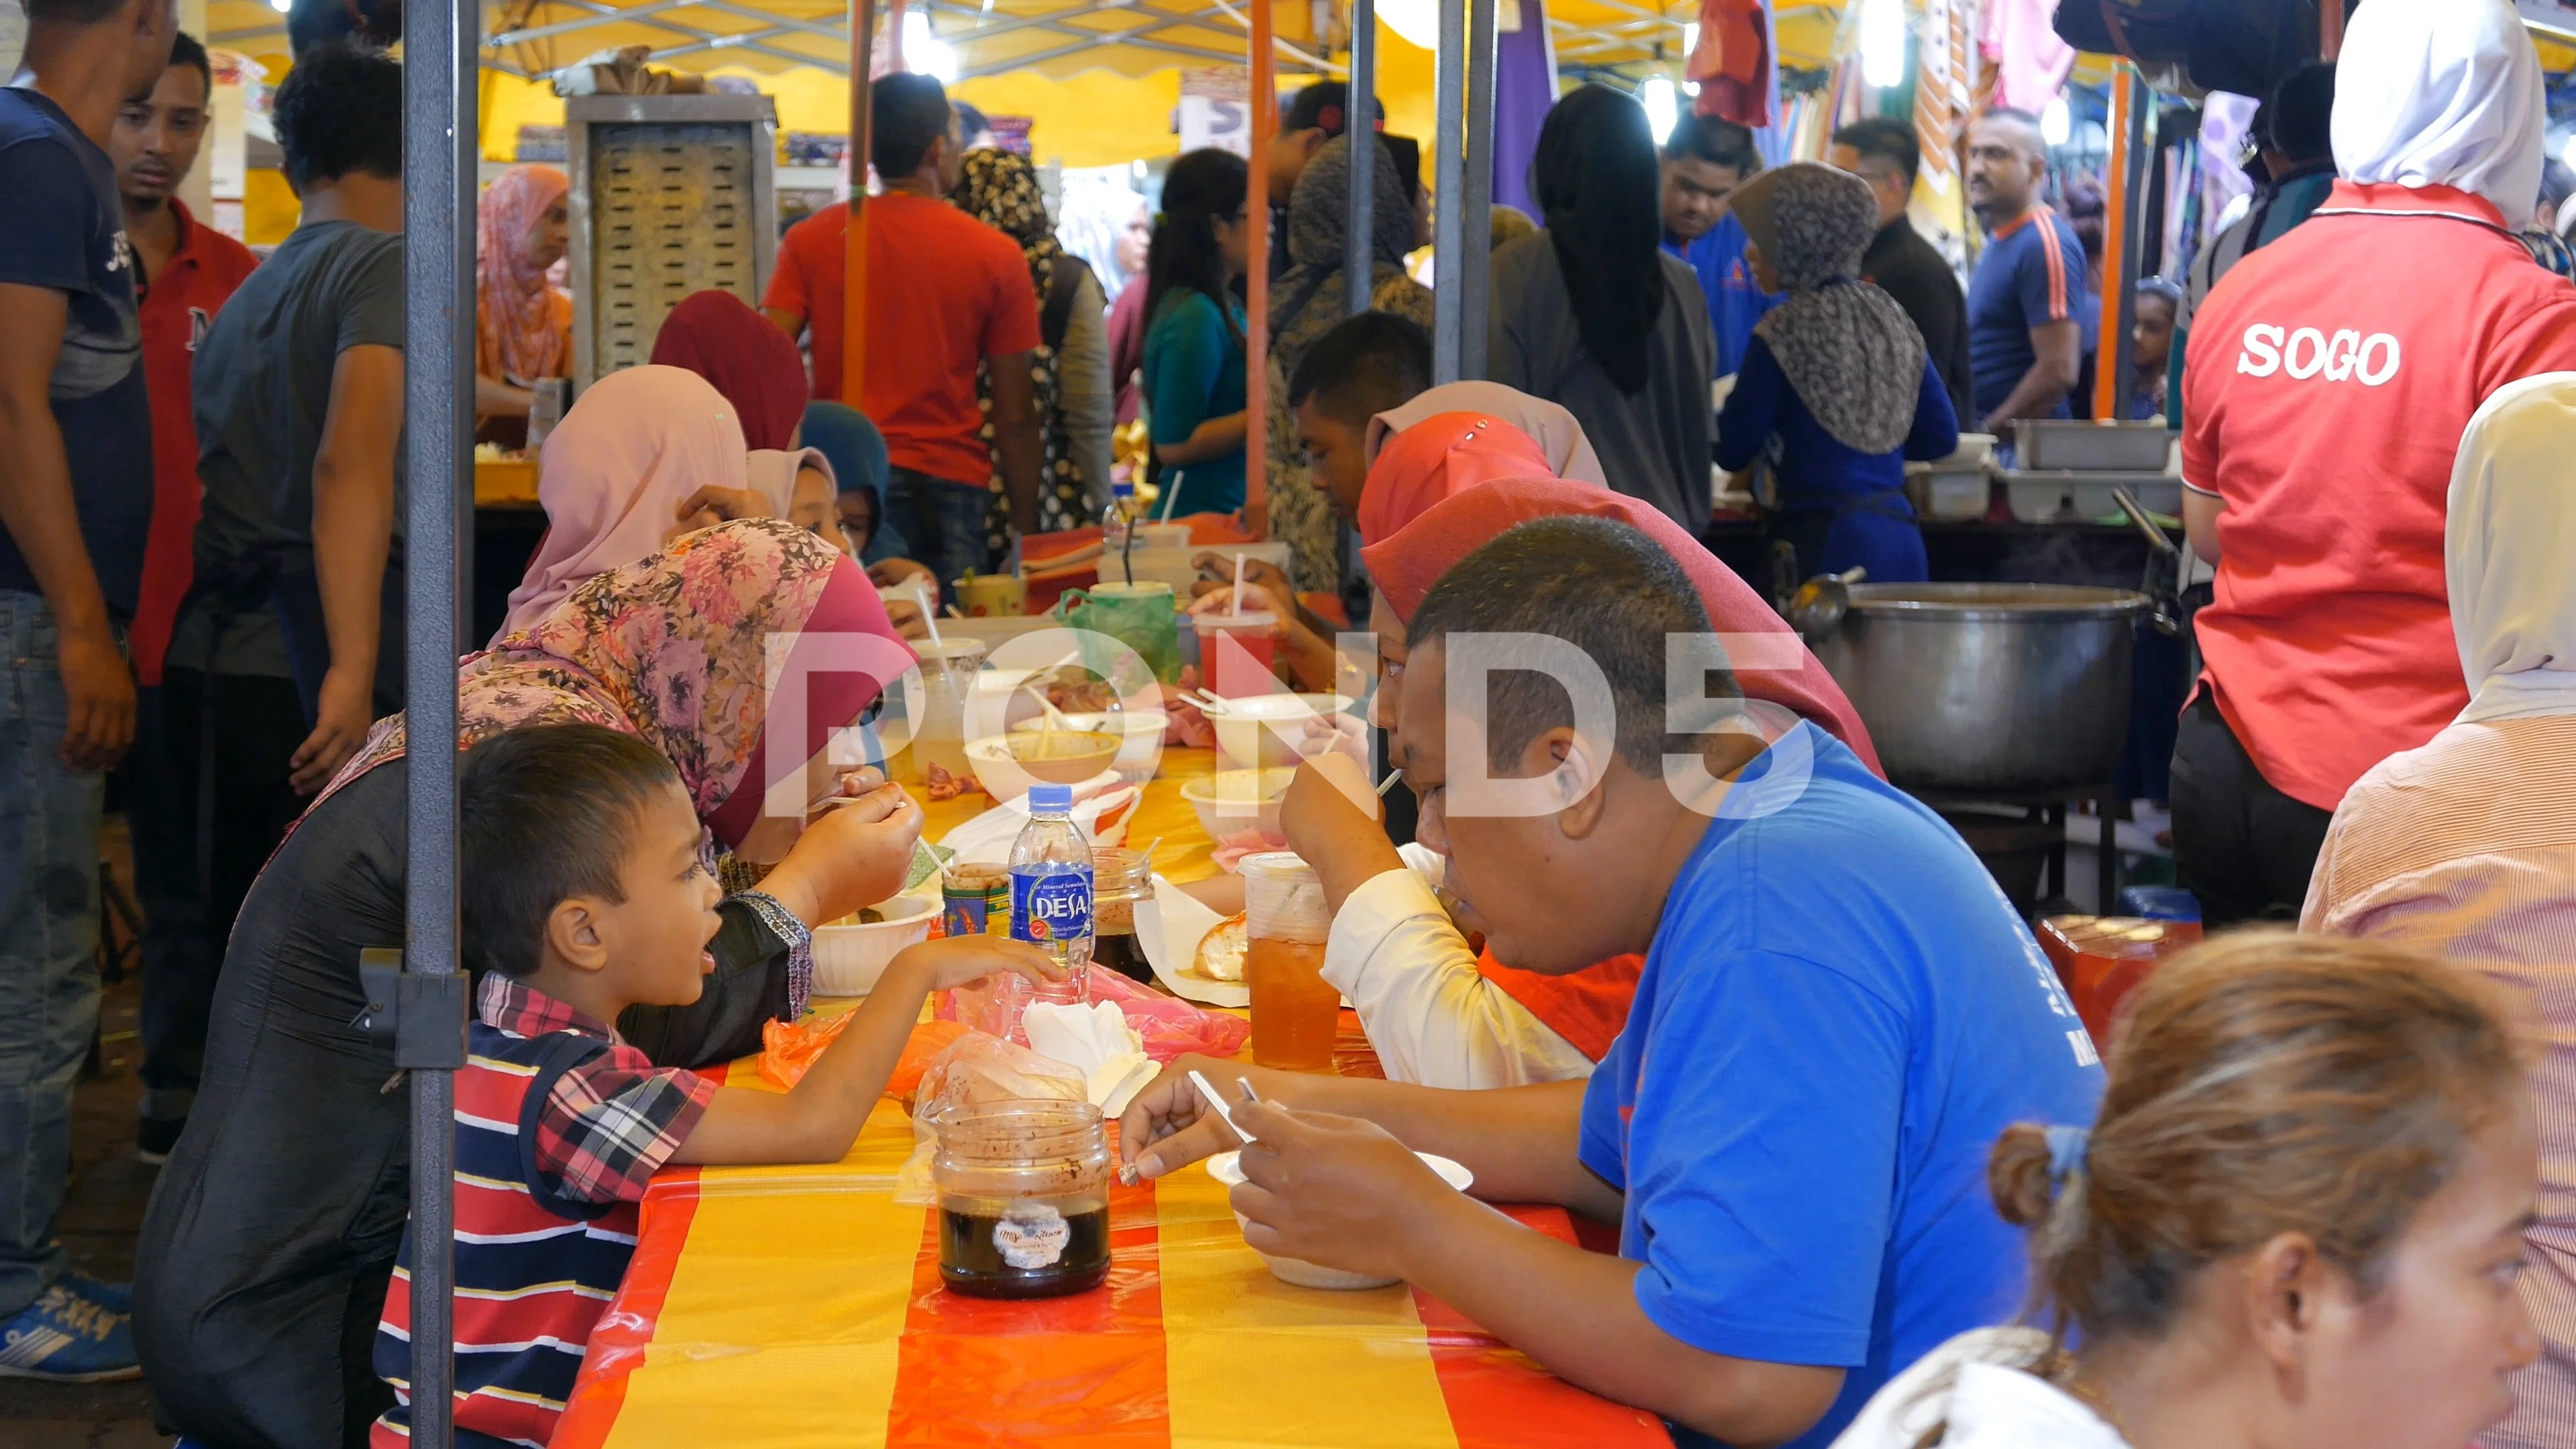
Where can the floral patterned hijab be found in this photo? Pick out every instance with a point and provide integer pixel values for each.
(1000, 189)
(675, 649)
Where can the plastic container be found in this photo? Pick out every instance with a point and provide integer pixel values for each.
(948, 671)
(2101, 959)
(1941, 492)
(1295, 1011)
(2081, 497)
(1120, 877)
(2051, 443)
(992, 595)
(848, 959)
(1023, 1198)
(1141, 616)
(1238, 653)
(1051, 904)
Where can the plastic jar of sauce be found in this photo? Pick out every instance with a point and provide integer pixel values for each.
(1023, 1198)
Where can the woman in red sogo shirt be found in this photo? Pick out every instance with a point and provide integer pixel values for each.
(2328, 379)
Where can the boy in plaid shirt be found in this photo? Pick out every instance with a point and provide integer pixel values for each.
(584, 893)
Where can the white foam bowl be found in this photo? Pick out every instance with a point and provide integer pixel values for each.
(1227, 1168)
(849, 959)
(1231, 801)
(1271, 730)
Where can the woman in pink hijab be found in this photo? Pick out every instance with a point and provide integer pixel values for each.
(522, 325)
(641, 443)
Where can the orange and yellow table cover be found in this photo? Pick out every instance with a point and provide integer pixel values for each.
(793, 1306)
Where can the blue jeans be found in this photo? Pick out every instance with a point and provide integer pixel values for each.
(49, 818)
(943, 520)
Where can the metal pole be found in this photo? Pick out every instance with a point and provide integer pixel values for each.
(1256, 290)
(1476, 251)
(439, 175)
(854, 236)
(1359, 262)
(1448, 196)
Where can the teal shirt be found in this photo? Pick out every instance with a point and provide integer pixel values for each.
(1194, 372)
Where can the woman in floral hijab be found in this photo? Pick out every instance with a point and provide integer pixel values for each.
(1069, 368)
(277, 1218)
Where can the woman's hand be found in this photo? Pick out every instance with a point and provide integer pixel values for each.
(906, 617)
(852, 855)
(964, 960)
(710, 506)
(894, 573)
(1216, 598)
(1217, 566)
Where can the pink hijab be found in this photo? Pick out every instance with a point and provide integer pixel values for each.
(675, 650)
(614, 474)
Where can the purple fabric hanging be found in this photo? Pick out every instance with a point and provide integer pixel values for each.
(1524, 87)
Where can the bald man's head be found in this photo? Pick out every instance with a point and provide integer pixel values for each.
(2006, 159)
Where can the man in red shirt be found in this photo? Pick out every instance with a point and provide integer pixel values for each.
(2328, 379)
(946, 293)
(185, 271)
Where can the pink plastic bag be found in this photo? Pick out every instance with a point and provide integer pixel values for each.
(1170, 1026)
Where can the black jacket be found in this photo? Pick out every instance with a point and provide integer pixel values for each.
(1905, 266)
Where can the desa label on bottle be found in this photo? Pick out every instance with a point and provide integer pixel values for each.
(1051, 903)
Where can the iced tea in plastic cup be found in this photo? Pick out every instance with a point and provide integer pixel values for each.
(1295, 1012)
(1236, 653)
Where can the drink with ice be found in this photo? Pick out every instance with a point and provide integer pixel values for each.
(1295, 1011)
(1051, 886)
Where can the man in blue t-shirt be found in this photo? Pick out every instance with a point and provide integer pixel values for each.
(75, 505)
(2028, 309)
(1837, 1017)
(1704, 160)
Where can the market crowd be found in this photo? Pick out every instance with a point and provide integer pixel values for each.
(1872, 1183)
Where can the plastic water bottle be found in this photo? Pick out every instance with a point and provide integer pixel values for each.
(1113, 530)
(1051, 896)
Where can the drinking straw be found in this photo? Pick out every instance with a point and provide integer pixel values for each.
(1237, 605)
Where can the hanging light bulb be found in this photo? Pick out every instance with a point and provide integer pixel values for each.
(1882, 42)
(1663, 108)
(2055, 123)
(924, 52)
(281, 6)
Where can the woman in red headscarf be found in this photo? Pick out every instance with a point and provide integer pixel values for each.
(522, 325)
(756, 366)
(1438, 1009)
(279, 1214)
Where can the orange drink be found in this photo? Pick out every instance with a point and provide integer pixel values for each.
(1295, 1011)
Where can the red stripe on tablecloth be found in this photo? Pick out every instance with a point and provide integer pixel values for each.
(617, 1345)
(1082, 1370)
(1498, 1397)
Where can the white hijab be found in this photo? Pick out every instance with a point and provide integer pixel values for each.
(2442, 93)
(1551, 427)
(2506, 551)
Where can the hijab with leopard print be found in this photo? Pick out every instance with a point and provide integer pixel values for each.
(1852, 355)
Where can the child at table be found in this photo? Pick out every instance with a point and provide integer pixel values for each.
(584, 893)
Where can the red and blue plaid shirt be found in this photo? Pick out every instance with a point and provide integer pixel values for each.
(610, 1122)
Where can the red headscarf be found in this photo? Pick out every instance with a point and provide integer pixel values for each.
(748, 359)
(522, 326)
(1589, 1007)
(1436, 458)
(1406, 565)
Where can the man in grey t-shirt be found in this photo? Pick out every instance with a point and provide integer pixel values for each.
(278, 664)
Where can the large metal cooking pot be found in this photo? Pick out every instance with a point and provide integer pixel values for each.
(2006, 688)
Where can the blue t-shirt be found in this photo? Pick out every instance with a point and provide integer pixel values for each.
(1735, 302)
(1839, 1015)
(2030, 274)
(66, 233)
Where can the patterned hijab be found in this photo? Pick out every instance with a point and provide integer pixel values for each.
(514, 309)
(1310, 291)
(675, 650)
(1000, 189)
(1851, 353)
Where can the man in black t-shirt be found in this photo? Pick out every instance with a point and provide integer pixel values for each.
(1883, 152)
(75, 504)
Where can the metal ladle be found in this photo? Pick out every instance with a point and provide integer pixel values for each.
(1820, 603)
(2162, 583)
